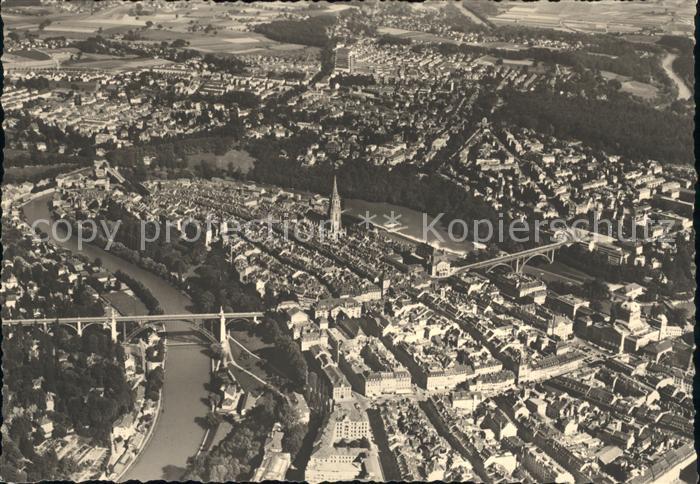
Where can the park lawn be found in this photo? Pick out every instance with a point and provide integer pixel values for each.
(640, 89)
(252, 342)
(250, 363)
(268, 363)
(247, 382)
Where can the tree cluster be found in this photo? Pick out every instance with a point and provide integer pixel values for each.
(287, 354)
(85, 374)
(684, 64)
(617, 126)
(311, 31)
(236, 457)
(141, 292)
(154, 383)
(216, 284)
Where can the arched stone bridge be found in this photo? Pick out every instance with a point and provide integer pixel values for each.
(517, 260)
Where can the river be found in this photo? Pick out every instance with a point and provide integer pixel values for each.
(177, 435)
(684, 91)
(410, 224)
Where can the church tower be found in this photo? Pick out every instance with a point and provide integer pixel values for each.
(335, 211)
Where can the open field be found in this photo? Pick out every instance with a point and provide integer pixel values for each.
(248, 42)
(34, 169)
(253, 343)
(249, 362)
(14, 21)
(32, 54)
(636, 88)
(413, 35)
(673, 16)
(228, 26)
(330, 8)
(394, 31)
(115, 63)
(640, 89)
(11, 59)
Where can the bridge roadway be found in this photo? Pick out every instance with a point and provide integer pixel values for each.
(144, 318)
(504, 259)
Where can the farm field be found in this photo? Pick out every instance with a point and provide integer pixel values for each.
(30, 57)
(331, 8)
(227, 35)
(245, 42)
(15, 21)
(675, 16)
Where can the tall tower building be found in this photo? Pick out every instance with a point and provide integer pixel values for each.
(335, 211)
(662, 329)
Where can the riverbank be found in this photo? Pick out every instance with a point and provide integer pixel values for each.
(145, 443)
(177, 435)
(211, 432)
(418, 240)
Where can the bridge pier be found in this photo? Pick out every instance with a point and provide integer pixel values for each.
(113, 327)
(79, 327)
(223, 338)
(223, 335)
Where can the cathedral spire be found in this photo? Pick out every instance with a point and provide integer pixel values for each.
(335, 188)
(335, 210)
